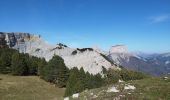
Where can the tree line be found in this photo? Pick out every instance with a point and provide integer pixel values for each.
(15, 63)
(55, 71)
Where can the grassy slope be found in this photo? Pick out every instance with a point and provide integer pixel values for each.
(146, 89)
(28, 88)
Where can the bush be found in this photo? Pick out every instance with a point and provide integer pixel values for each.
(74, 52)
(84, 49)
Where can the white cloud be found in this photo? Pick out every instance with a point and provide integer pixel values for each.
(161, 18)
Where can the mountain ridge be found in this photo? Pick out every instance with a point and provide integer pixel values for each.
(91, 59)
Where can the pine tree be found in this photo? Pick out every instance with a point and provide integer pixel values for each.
(18, 65)
(56, 71)
(72, 82)
(98, 81)
(5, 63)
(87, 80)
(41, 65)
(82, 79)
(63, 74)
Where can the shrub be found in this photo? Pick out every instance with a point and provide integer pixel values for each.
(74, 52)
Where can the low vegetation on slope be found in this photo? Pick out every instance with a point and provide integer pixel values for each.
(28, 88)
(55, 71)
(145, 89)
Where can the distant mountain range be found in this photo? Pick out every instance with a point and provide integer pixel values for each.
(91, 59)
(154, 64)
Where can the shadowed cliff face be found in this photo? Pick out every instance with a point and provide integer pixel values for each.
(17, 40)
(12, 39)
(2, 40)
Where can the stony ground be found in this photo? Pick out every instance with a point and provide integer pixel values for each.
(146, 89)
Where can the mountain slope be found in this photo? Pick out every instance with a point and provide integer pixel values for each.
(88, 58)
(155, 65)
(145, 89)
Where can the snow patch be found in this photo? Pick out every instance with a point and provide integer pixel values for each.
(75, 95)
(129, 87)
(95, 96)
(66, 98)
(112, 89)
(91, 93)
(121, 81)
(165, 78)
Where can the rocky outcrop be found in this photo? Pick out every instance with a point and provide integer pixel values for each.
(13, 39)
(88, 58)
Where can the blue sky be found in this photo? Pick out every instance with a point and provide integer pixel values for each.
(142, 25)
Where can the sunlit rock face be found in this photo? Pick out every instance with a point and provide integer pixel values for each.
(90, 59)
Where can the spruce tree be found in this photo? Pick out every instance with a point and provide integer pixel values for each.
(5, 63)
(41, 65)
(56, 71)
(18, 65)
(72, 82)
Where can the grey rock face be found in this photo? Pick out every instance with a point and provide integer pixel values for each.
(91, 60)
(12, 39)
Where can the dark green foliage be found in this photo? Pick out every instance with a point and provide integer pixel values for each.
(79, 81)
(81, 50)
(131, 75)
(41, 66)
(111, 76)
(74, 52)
(60, 46)
(5, 60)
(72, 82)
(84, 49)
(104, 70)
(11, 61)
(2, 40)
(18, 65)
(55, 71)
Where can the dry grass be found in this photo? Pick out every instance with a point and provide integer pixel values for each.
(28, 88)
(146, 89)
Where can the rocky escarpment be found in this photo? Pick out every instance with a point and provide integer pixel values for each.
(13, 39)
(88, 58)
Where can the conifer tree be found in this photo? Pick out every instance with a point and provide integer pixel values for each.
(18, 65)
(56, 71)
(41, 65)
(5, 63)
(71, 83)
